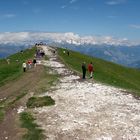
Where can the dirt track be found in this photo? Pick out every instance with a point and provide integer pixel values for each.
(9, 128)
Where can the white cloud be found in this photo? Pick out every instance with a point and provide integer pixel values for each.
(111, 3)
(63, 6)
(32, 37)
(135, 26)
(70, 3)
(73, 1)
(116, 2)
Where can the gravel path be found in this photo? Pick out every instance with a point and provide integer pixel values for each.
(87, 110)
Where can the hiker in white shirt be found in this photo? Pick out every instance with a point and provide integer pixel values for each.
(24, 66)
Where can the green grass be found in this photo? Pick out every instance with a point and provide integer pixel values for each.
(40, 101)
(33, 131)
(1, 114)
(105, 72)
(9, 72)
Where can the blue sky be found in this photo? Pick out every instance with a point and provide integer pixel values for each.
(117, 18)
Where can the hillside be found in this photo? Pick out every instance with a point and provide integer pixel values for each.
(106, 72)
(119, 54)
(78, 109)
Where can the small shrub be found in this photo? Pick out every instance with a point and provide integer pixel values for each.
(40, 101)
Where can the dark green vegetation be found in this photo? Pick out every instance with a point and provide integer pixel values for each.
(13, 70)
(105, 72)
(40, 101)
(33, 131)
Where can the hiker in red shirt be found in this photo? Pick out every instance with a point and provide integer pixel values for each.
(90, 69)
(29, 64)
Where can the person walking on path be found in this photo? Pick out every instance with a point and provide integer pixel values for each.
(90, 69)
(84, 70)
(24, 66)
(29, 64)
(34, 62)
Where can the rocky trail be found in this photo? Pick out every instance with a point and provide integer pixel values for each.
(87, 110)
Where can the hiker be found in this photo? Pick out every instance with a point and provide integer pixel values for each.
(24, 66)
(84, 70)
(34, 62)
(90, 69)
(29, 64)
(8, 61)
(68, 53)
(21, 51)
(42, 53)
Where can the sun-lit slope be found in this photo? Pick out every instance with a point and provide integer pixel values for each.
(14, 69)
(105, 71)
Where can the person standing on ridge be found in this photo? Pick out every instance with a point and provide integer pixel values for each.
(84, 70)
(24, 66)
(68, 53)
(90, 69)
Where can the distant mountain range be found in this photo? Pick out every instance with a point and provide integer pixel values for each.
(120, 51)
(8, 49)
(125, 55)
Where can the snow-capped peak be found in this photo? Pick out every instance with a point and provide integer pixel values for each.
(71, 38)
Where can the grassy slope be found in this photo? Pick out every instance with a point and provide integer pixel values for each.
(14, 69)
(105, 72)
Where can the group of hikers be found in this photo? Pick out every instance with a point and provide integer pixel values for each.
(89, 68)
(32, 63)
(40, 53)
(29, 64)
